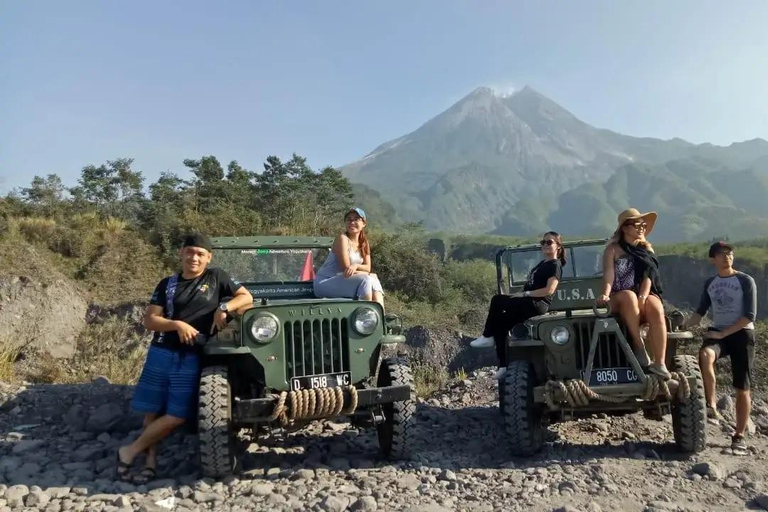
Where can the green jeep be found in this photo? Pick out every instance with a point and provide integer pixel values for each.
(292, 357)
(576, 360)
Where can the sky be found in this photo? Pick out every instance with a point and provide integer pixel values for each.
(89, 81)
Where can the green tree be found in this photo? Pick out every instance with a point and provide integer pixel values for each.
(45, 195)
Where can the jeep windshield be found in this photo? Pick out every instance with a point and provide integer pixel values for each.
(513, 264)
(270, 265)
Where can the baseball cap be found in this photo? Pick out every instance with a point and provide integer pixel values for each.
(197, 240)
(719, 246)
(358, 211)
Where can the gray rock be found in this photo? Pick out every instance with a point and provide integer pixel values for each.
(714, 471)
(9, 464)
(365, 504)
(448, 475)
(305, 474)
(57, 492)
(26, 446)
(408, 482)
(105, 418)
(725, 404)
(15, 495)
(334, 504)
(88, 453)
(264, 489)
(37, 499)
(122, 501)
(75, 417)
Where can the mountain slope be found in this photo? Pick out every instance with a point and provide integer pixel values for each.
(482, 164)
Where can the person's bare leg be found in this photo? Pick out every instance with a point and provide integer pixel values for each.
(155, 431)
(379, 297)
(151, 452)
(743, 408)
(625, 302)
(707, 365)
(654, 315)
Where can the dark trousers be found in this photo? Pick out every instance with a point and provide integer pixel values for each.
(505, 313)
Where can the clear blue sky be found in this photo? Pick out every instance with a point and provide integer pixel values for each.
(82, 82)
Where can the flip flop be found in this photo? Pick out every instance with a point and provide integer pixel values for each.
(122, 471)
(145, 475)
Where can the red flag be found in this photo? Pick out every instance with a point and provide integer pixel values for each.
(308, 270)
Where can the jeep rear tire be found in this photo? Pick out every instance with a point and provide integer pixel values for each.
(396, 433)
(215, 433)
(689, 418)
(522, 417)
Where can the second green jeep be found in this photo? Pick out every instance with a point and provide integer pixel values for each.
(576, 360)
(292, 358)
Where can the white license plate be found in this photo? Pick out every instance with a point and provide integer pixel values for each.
(328, 380)
(608, 376)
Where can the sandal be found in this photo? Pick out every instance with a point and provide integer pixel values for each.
(123, 469)
(145, 475)
(713, 414)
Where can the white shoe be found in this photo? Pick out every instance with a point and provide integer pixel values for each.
(500, 373)
(483, 342)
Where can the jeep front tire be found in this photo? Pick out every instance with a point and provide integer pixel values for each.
(216, 436)
(522, 417)
(689, 418)
(396, 433)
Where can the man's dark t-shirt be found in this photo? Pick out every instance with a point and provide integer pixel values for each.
(195, 301)
(539, 276)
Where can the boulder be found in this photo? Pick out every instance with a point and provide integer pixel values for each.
(45, 312)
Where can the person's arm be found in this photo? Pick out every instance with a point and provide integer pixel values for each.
(240, 297)
(155, 321)
(643, 292)
(750, 309)
(608, 256)
(548, 290)
(365, 267)
(341, 250)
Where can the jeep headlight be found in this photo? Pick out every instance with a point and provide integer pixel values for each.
(365, 321)
(560, 335)
(264, 328)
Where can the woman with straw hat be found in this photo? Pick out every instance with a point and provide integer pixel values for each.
(632, 286)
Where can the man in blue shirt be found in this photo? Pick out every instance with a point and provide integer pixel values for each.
(732, 297)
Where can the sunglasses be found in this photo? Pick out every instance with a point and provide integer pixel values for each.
(547, 242)
(637, 225)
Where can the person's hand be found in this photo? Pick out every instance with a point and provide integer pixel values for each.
(186, 332)
(602, 299)
(713, 335)
(220, 319)
(350, 270)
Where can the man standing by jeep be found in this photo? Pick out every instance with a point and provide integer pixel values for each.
(732, 296)
(184, 310)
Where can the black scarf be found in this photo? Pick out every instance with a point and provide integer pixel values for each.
(646, 265)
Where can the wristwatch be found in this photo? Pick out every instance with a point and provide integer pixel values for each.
(526, 293)
(223, 307)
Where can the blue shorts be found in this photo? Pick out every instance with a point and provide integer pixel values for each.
(168, 383)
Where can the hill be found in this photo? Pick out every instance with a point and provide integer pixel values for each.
(519, 164)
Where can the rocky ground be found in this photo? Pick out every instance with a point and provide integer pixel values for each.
(57, 449)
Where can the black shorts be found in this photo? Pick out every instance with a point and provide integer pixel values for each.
(740, 346)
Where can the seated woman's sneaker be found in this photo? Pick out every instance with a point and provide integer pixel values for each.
(483, 342)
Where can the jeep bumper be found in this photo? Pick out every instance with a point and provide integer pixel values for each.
(259, 409)
(628, 391)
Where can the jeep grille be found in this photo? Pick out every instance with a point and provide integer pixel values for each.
(608, 353)
(314, 347)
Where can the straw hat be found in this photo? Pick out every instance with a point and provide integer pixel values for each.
(634, 214)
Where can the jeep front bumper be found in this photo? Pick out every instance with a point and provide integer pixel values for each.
(259, 409)
(630, 392)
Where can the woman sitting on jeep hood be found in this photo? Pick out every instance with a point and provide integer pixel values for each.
(506, 311)
(632, 286)
(347, 271)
